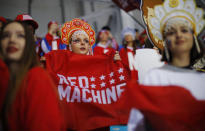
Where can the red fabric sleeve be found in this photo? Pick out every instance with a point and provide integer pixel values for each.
(40, 108)
(4, 73)
(124, 57)
(125, 61)
(43, 107)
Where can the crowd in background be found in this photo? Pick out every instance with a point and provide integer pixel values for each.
(104, 38)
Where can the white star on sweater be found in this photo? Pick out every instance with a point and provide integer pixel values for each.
(93, 85)
(102, 84)
(111, 74)
(122, 77)
(112, 81)
(92, 78)
(102, 77)
(120, 70)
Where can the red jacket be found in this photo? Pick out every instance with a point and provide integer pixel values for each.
(36, 106)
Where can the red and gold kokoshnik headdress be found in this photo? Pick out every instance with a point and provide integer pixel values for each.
(75, 25)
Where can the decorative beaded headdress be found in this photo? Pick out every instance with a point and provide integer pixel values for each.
(79, 25)
(160, 17)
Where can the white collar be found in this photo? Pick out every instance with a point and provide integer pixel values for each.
(101, 45)
(131, 48)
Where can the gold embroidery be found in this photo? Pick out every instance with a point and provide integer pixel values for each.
(173, 3)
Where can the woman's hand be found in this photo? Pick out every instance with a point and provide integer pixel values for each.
(43, 58)
(117, 56)
(110, 35)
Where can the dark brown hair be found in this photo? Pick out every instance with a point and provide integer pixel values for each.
(28, 60)
(134, 45)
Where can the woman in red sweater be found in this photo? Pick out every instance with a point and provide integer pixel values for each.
(31, 101)
(104, 45)
(130, 45)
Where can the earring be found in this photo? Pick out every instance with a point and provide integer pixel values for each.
(70, 47)
(197, 44)
(90, 52)
(166, 51)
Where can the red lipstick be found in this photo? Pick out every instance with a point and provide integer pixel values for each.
(11, 49)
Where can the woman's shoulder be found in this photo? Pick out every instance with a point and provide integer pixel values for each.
(168, 74)
(38, 77)
(3, 67)
(169, 69)
(174, 69)
(97, 47)
(122, 49)
(157, 70)
(37, 71)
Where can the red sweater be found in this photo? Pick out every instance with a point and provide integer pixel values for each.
(4, 73)
(98, 50)
(36, 106)
(125, 62)
(124, 56)
(80, 115)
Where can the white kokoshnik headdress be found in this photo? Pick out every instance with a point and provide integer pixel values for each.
(174, 12)
(180, 10)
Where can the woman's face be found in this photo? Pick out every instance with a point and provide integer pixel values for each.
(13, 41)
(53, 27)
(80, 44)
(104, 36)
(128, 38)
(181, 39)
